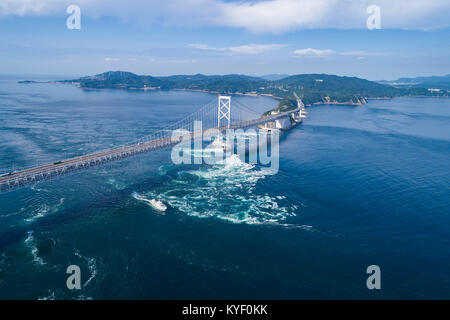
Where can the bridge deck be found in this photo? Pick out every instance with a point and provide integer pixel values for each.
(32, 175)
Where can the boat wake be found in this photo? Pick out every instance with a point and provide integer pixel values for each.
(225, 191)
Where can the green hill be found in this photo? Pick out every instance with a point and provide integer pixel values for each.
(311, 88)
(432, 82)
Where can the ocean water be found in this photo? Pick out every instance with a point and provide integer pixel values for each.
(357, 186)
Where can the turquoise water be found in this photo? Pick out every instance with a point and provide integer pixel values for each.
(357, 186)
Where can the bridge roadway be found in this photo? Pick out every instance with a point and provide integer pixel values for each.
(21, 178)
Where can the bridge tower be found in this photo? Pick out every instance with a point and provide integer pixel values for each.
(224, 111)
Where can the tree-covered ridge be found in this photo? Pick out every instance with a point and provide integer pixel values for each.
(117, 79)
(311, 88)
(314, 88)
(232, 83)
(285, 104)
(432, 82)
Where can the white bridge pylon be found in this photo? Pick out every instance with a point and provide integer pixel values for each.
(224, 111)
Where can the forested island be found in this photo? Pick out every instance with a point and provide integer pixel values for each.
(311, 88)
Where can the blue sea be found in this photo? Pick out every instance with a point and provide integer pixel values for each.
(357, 186)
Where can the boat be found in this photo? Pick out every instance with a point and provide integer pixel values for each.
(155, 204)
(158, 205)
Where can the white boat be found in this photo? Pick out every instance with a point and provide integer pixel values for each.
(155, 204)
(158, 205)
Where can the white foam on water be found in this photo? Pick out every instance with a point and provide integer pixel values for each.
(50, 296)
(224, 191)
(116, 184)
(35, 188)
(163, 169)
(31, 243)
(43, 210)
(18, 212)
(92, 265)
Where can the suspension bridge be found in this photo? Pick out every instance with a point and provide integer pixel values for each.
(215, 114)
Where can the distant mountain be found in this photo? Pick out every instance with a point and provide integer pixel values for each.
(432, 82)
(117, 79)
(232, 83)
(275, 76)
(311, 88)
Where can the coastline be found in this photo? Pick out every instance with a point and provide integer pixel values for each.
(361, 100)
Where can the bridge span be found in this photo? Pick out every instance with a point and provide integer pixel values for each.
(161, 139)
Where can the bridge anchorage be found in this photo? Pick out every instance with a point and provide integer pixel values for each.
(215, 114)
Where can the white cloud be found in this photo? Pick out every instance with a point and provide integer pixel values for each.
(319, 53)
(206, 47)
(312, 52)
(29, 7)
(111, 59)
(276, 16)
(256, 48)
(267, 16)
(243, 49)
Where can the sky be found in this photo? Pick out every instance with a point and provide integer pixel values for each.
(262, 37)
